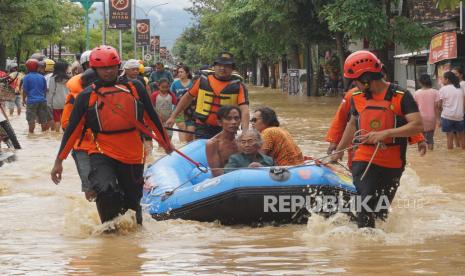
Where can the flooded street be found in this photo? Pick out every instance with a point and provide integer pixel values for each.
(49, 229)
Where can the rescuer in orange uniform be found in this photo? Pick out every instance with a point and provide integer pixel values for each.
(213, 90)
(117, 159)
(385, 116)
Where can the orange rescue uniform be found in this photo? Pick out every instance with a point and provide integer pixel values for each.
(74, 86)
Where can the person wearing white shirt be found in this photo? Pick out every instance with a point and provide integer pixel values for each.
(451, 104)
(458, 71)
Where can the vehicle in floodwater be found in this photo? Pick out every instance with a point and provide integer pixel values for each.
(176, 189)
(8, 140)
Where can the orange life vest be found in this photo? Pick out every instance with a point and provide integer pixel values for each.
(209, 101)
(378, 115)
(101, 117)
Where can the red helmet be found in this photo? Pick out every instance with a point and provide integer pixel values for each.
(361, 62)
(103, 56)
(32, 64)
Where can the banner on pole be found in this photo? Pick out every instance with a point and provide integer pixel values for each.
(163, 52)
(120, 14)
(155, 44)
(143, 32)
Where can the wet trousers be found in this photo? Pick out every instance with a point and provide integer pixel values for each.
(379, 184)
(82, 161)
(118, 186)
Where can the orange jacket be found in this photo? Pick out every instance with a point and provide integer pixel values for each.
(340, 120)
(391, 156)
(127, 146)
(74, 86)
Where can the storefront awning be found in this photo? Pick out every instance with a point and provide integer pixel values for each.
(413, 54)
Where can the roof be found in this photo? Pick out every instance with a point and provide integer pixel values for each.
(413, 54)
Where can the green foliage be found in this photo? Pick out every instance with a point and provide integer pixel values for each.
(368, 19)
(413, 35)
(250, 29)
(359, 19)
(29, 25)
(43, 22)
(75, 39)
(188, 47)
(447, 4)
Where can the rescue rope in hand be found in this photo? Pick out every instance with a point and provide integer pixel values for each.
(378, 145)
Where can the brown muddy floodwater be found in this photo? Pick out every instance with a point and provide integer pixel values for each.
(52, 230)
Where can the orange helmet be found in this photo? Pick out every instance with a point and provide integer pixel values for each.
(360, 62)
(104, 56)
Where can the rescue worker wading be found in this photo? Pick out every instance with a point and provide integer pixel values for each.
(213, 90)
(385, 116)
(117, 157)
(75, 86)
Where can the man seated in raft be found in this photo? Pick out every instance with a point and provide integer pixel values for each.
(249, 143)
(223, 145)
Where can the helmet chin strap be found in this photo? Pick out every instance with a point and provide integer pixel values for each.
(366, 90)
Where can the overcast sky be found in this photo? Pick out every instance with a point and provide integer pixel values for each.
(168, 20)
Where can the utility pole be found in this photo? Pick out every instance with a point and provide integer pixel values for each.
(461, 15)
(86, 4)
(134, 30)
(104, 27)
(120, 40)
(309, 68)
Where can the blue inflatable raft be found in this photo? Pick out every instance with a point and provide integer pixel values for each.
(175, 188)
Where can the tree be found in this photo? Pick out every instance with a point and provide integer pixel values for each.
(39, 26)
(253, 29)
(447, 4)
(188, 47)
(372, 20)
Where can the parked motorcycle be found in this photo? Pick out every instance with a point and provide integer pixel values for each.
(7, 134)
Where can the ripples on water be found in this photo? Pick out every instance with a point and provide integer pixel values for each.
(54, 230)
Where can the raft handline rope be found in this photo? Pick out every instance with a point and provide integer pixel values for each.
(169, 193)
(306, 163)
(378, 145)
(166, 194)
(357, 136)
(186, 131)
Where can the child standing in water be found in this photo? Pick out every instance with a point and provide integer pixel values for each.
(427, 99)
(164, 101)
